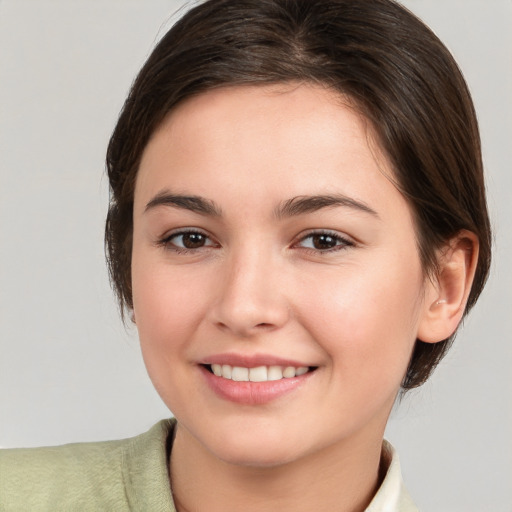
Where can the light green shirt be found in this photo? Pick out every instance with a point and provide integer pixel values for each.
(127, 475)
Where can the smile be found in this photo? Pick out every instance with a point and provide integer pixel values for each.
(249, 381)
(257, 374)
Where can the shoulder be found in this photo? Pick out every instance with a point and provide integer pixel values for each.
(42, 478)
(84, 476)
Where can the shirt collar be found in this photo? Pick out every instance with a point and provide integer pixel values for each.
(392, 495)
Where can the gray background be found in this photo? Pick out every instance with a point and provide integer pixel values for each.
(69, 371)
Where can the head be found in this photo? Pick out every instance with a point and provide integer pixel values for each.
(389, 66)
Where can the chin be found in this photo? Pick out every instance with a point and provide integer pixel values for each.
(260, 457)
(261, 448)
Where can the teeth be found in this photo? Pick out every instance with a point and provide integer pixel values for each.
(275, 373)
(258, 374)
(301, 371)
(240, 374)
(226, 371)
(289, 372)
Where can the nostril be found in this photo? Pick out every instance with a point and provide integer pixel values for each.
(245, 317)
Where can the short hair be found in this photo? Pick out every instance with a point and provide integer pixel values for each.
(389, 63)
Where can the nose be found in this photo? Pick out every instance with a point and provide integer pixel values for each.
(251, 295)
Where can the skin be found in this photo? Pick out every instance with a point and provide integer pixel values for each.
(259, 285)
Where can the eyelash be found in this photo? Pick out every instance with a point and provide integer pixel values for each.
(340, 241)
(167, 241)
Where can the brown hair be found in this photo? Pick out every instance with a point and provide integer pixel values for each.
(398, 73)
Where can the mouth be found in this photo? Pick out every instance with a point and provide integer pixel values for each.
(255, 379)
(257, 374)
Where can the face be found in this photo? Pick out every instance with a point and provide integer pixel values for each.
(277, 285)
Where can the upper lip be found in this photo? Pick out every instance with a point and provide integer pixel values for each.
(251, 360)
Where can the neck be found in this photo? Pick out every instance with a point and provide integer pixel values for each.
(344, 478)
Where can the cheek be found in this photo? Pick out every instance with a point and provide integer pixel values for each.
(366, 319)
(167, 306)
(167, 310)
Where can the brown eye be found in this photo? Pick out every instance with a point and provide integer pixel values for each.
(193, 240)
(324, 241)
(188, 240)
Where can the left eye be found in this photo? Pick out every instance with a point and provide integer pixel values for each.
(323, 241)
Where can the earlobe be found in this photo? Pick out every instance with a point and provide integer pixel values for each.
(447, 293)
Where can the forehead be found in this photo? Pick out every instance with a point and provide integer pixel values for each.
(252, 107)
(288, 137)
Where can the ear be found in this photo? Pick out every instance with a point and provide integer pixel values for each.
(446, 294)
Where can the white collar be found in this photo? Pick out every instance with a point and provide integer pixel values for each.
(392, 495)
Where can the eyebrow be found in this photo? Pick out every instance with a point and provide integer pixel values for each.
(292, 207)
(308, 204)
(192, 203)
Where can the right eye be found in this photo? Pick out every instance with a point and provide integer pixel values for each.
(184, 241)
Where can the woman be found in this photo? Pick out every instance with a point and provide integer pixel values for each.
(297, 227)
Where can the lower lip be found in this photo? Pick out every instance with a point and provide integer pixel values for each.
(253, 393)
